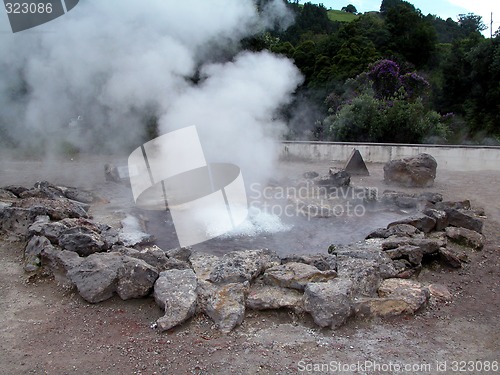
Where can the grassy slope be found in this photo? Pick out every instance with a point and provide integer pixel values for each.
(338, 15)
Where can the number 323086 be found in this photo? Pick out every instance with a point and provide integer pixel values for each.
(28, 8)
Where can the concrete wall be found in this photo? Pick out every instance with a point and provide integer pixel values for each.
(453, 158)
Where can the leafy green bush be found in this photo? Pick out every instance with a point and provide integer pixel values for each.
(368, 119)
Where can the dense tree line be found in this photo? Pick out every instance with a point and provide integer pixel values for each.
(461, 69)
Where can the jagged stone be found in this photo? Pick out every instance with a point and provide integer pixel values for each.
(203, 264)
(180, 253)
(427, 245)
(330, 303)
(15, 189)
(175, 292)
(466, 237)
(446, 205)
(418, 171)
(381, 307)
(364, 274)
(57, 209)
(464, 219)
(296, 275)
(334, 179)
(79, 195)
(224, 304)
(323, 262)
(420, 221)
(96, 276)
(441, 218)
(399, 199)
(371, 250)
(82, 241)
(431, 197)
(411, 292)
(244, 265)
(18, 220)
(450, 258)
(6, 195)
(135, 278)
(440, 293)
(265, 297)
(411, 253)
(399, 230)
(59, 263)
(32, 252)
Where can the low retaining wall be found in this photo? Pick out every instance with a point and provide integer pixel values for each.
(453, 158)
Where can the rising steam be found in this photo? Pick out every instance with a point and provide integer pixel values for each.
(93, 77)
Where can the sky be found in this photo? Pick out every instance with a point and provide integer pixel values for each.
(441, 8)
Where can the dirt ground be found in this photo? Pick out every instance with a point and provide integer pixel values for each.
(45, 329)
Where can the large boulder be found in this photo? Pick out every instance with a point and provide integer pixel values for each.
(417, 171)
(96, 276)
(330, 303)
(175, 292)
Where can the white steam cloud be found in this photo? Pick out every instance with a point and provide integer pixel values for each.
(116, 62)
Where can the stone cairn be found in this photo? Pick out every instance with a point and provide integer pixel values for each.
(375, 277)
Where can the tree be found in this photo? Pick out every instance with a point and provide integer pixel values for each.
(411, 35)
(350, 9)
(471, 23)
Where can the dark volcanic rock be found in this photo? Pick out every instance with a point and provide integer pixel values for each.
(135, 278)
(82, 241)
(465, 237)
(464, 219)
(399, 230)
(418, 171)
(32, 252)
(422, 222)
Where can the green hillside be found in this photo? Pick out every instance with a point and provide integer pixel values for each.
(338, 15)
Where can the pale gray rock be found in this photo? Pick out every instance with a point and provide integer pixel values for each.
(244, 265)
(330, 303)
(175, 292)
(296, 275)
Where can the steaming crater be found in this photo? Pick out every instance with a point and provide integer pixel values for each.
(284, 231)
